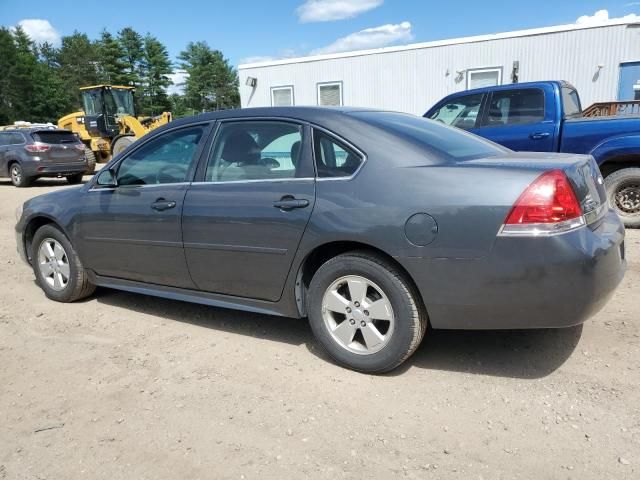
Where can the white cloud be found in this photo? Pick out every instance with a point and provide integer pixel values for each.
(178, 79)
(40, 31)
(602, 16)
(376, 37)
(330, 10)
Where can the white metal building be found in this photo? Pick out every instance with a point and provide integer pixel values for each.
(602, 61)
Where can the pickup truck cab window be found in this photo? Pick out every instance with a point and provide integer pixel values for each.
(461, 112)
(571, 103)
(515, 107)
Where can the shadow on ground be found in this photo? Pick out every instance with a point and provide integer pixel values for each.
(526, 354)
(44, 182)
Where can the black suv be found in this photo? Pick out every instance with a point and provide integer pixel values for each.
(32, 152)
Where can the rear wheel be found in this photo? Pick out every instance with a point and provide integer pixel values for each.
(90, 157)
(18, 178)
(58, 269)
(365, 313)
(122, 143)
(75, 179)
(623, 190)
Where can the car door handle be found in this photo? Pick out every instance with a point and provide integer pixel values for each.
(289, 203)
(161, 204)
(539, 135)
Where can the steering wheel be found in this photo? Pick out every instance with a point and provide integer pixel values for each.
(179, 170)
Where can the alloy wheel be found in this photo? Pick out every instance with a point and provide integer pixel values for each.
(358, 315)
(16, 174)
(53, 264)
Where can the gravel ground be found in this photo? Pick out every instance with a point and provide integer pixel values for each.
(123, 386)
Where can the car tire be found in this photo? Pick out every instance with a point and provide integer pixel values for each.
(121, 144)
(90, 158)
(385, 326)
(75, 179)
(58, 269)
(18, 178)
(623, 192)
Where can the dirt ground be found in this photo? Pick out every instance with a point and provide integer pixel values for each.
(123, 386)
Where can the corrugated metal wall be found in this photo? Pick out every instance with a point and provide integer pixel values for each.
(413, 80)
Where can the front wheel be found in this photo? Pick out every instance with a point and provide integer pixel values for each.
(57, 267)
(623, 190)
(365, 313)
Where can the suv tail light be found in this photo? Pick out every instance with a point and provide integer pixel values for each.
(547, 206)
(36, 148)
(80, 146)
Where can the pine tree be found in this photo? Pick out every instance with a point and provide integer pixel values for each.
(79, 65)
(111, 57)
(212, 83)
(156, 68)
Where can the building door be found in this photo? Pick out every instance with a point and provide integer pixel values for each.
(629, 84)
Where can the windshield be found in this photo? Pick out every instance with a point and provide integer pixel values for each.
(447, 142)
(123, 101)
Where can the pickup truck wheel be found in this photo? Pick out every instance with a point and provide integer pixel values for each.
(623, 190)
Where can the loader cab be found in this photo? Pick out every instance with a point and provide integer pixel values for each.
(102, 105)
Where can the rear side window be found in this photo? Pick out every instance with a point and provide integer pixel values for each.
(54, 137)
(461, 112)
(571, 102)
(13, 138)
(333, 158)
(442, 141)
(516, 107)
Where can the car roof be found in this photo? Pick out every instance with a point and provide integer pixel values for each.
(309, 114)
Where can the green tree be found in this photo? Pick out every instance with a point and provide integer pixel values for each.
(111, 59)
(156, 68)
(212, 83)
(8, 59)
(79, 65)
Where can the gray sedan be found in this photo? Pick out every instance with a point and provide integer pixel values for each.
(370, 224)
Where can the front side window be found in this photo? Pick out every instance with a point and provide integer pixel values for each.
(165, 159)
(256, 150)
(461, 112)
(516, 107)
(334, 159)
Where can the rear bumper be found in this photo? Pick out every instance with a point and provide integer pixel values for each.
(41, 169)
(550, 282)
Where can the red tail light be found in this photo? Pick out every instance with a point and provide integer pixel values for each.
(80, 146)
(36, 148)
(548, 205)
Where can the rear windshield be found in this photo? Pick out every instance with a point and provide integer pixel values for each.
(446, 142)
(54, 137)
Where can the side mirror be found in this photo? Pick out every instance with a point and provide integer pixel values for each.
(107, 178)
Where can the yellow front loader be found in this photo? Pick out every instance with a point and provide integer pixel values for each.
(109, 123)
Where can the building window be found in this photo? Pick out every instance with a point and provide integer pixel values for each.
(282, 96)
(484, 77)
(330, 94)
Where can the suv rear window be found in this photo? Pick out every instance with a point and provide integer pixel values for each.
(54, 137)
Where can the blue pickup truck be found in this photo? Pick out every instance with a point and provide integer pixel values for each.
(547, 117)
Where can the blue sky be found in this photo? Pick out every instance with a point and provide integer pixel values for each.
(262, 29)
